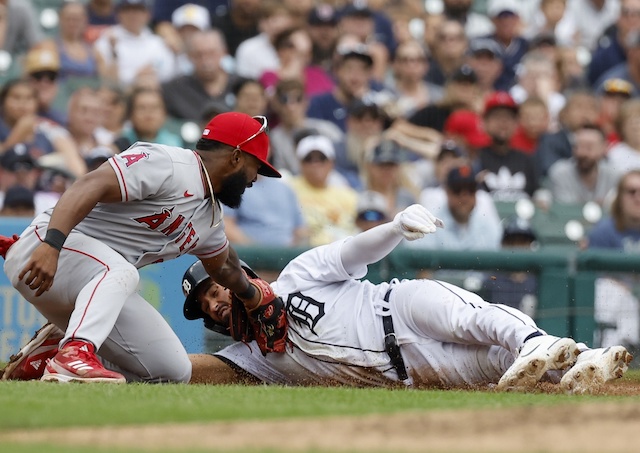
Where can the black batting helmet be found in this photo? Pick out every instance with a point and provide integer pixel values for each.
(194, 277)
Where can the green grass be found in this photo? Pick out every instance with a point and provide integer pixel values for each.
(40, 405)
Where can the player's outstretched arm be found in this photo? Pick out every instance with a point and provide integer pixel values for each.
(100, 185)
(372, 245)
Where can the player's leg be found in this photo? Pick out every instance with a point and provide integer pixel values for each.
(450, 314)
(143, 347)
(91, 284)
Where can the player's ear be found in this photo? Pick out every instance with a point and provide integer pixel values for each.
(236, 158)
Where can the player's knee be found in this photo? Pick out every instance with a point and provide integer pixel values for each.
(125, 274)
(178, 372)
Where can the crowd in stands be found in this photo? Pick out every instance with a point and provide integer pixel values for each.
(372, 105)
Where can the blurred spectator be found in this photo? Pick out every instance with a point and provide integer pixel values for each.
(461, 92)
(322, 25)
(469, 225)
(290, 105)
(353, 68)
(293, 46)
(505, 15)
(571, 69)
(85, 118)
(514, 289)
(554, 18)
(256, 55)
(269, 216)
(449, 156)
(300, 10)
(587, 176)
(371, 210)
(484, 57)
(20, 123)
(101, 14)
(250, 97)
(616, 306)
(42, 66)
(114, 112)
(507, 174)
(625, 155)
(592, 18)
(365, 125)
(18, 202)
(359, 20)
(384, 173)
(77, 56)
(537, 76)
(383, 30)
(614, 93)
(329, 211)
(17, 168)
(611, 49)
(628, 70)
(131, 50)
(238, 23)
(186, 21)
(147, 115)
(20, 29)
(464, 127)
(187, 95)
(409, 67)
(533, 122)
(447, 55)
(475, 24)
(162, 11)
(581, 108)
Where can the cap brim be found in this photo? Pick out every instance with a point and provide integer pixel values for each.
(266, 169)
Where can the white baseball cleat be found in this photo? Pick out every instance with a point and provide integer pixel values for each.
(537, 356)
(594, 368)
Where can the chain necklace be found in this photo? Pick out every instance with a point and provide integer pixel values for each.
(214, 200)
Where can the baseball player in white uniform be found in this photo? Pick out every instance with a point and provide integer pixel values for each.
(77, 263)
(410, 332)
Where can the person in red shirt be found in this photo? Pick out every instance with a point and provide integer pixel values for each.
(533, 121)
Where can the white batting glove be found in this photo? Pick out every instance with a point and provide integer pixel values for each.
(416, 221)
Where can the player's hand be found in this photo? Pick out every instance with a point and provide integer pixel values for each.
(415, 222)
(40, 269)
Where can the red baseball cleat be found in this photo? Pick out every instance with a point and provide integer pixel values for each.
(30, 361)
(77, 362)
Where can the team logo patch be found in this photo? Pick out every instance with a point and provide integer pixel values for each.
(305, 311)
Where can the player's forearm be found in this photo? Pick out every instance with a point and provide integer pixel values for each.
(369, 247)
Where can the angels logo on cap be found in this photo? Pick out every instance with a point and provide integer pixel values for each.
(246, 133)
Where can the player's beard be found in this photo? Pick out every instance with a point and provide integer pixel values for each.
(233, 186)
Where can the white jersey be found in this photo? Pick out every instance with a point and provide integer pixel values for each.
(164, 213)
(315, 287)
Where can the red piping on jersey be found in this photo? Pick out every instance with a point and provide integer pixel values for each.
(96, 286)
(216, 250)
(124, 183)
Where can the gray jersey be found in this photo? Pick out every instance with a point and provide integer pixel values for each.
(164, 213)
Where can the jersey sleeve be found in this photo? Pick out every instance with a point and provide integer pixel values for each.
(143, 171)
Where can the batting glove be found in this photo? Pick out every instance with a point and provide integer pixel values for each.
(416, 221)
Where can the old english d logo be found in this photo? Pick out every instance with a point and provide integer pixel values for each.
(304, 310)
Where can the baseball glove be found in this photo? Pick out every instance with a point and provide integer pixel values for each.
(268, 321)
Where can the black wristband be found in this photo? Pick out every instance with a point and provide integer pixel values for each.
(55, 238)
(248, 293)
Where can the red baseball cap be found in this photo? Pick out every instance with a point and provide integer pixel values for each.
(245, 133)
(499, 99)
(467, 124)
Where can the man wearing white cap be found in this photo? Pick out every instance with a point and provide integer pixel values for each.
(329, 210)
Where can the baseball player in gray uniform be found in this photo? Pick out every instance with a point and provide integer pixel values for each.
(77, 263)
(412, 332)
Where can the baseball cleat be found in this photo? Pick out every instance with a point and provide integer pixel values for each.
(77, 362)
(594, 368)
(537, 356)
(29, 363)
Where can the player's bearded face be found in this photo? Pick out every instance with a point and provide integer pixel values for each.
(233, 186)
